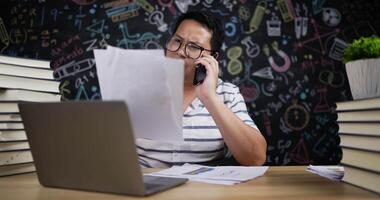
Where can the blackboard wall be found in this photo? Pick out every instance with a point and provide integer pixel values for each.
(285, 55)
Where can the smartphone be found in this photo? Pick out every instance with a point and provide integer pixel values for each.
(200, 71)
(200, 74)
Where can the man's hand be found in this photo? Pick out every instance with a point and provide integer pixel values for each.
(206, 90)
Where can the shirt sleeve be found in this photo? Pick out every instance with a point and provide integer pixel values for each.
(235, 101)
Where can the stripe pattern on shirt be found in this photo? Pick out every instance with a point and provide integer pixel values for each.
(203, 141)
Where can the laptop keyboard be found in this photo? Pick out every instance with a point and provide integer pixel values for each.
(150, 186)
(152, 180)
(155, 183)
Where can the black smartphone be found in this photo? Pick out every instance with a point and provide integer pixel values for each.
(200, 71)
(200, 74)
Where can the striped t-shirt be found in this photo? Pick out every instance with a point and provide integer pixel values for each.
(202, 140)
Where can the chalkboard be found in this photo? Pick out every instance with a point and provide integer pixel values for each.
(285, 55)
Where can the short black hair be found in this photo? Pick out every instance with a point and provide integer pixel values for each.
(208, 20)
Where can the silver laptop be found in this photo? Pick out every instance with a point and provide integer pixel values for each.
(87, 146)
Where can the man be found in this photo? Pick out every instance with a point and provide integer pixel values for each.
(216, 124)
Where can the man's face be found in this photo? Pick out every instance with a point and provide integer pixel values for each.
(190, 31)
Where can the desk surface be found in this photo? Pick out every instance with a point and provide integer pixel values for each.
(280, 183)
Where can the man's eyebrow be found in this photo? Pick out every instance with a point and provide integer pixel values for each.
(195, 43)
(178, 36)
(192, 42)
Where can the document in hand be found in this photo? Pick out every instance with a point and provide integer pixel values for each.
(225, 175)
(150, 84)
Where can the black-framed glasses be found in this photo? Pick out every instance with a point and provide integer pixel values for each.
(191, 50)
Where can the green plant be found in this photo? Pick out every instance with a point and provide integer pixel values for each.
(364, 47)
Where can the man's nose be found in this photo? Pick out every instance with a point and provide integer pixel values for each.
(181, 52)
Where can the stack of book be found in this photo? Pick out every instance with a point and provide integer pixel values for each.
(359, 129)
(21, 80)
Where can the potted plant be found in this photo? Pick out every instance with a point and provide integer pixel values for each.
(362, 59)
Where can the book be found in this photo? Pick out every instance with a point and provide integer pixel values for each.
(12, 135)
(25, 62)
(360, 128)
(15, 157)
(364, 159)
(26, 71)
(362, 104)
(12, 146)
(9, 117)
(11, 125)
(359, 116)
(34, 84)
(7, 170)
(27, 95)
(363, 142)
(366, 179)
(8, 107)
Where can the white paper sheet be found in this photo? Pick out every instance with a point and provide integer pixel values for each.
(225, 175)
(150, 84)
(332, 172)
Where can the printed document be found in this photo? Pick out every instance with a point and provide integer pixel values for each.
(150, 84)
(225, 175)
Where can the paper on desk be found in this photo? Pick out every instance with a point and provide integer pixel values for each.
(150, 84)
(219, 182)
(226, 175)
(331, 172)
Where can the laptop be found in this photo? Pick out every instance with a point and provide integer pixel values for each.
(88, 146)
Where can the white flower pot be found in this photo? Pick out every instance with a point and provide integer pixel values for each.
(364, 78)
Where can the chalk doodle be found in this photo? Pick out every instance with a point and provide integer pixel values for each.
(235, 66)
(230, 27)
(319, 37)
(337, 49)
(144, 4)
(301, 21)
(265, 72)
(72, 68)
(257, 17)
(287, 10)
(183, 5)
(168, 4)
(252, 49)
(331, 16)
(135, 41)
(122, 13)
(274, 26)
(244, 13)
(286, 60)
(322, 105)
(156, 18)
(296, 117)
(248, 87)
(317, 6)
(4, 37)
(300, 153)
